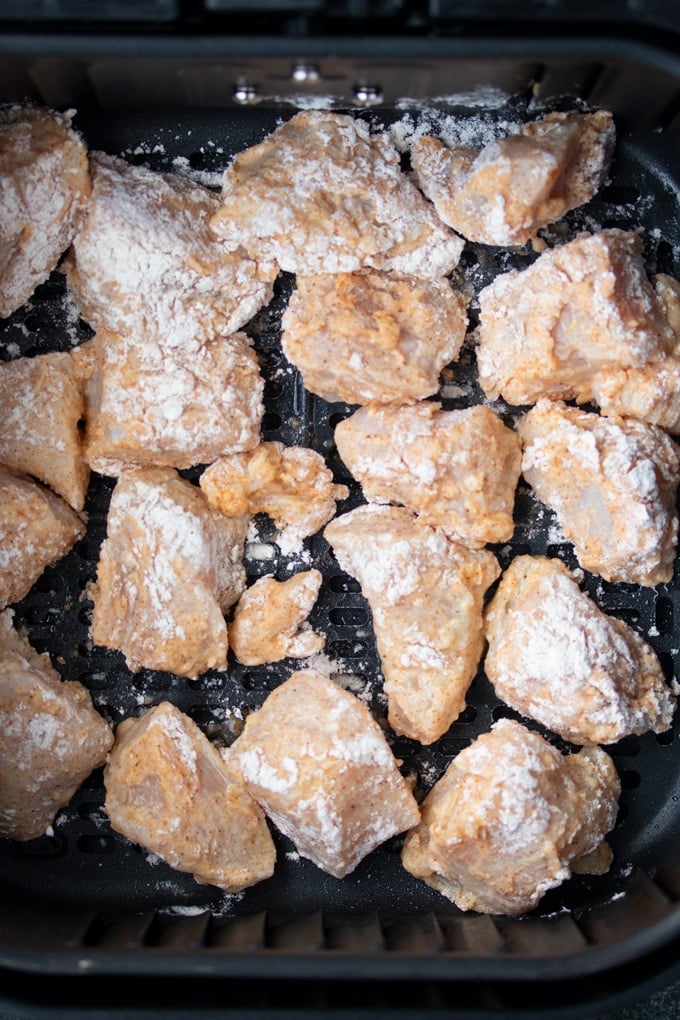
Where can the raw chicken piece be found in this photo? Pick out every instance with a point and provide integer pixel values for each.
(51, 738)
(458, 470)
(41, 405)
(507, 191)
(36, 529)
(146, 262)
(324, 195)
(426, 594)
(269, 618)
(580, 309)
(44, 188)
(373, 337)
(168, 789)
(169, 568)
(510, 818)
(557, 658)
(668, 292)
(319, 764)
(612, 484)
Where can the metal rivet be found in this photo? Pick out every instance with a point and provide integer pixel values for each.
(305, 73)
(366, 94)
(245, 93)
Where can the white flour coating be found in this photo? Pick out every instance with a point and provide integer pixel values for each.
(171, 726)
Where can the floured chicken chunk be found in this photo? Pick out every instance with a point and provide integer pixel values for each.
(373, 337)
(145, 260)
(323, 195)
(36, 529)
(51, 738)
(580, 309)
(458, 470)
(168, 789)
(44, 188)
(41, 405)
(269, 620)
(147, 406)
(289, 483)
(426, 595)
(557, 658)
(169, 568)
(507, 191)
(612, 484)
(319, 765)
(511, 818)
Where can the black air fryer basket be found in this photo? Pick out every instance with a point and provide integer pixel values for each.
(90, 922)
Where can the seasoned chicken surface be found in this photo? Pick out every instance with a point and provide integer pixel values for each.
(41, 405)
(324, 195)
(373, 338)
(51, 738)
(270, 620)
(37, 528)
(650, 393)
(612, 484)
(168, 789)
(510, 818)
(557, 658)
(44, 188)
(169, 568)
(319, 765)
(426, 594)
(580, 309)
(507, 191)
(458, 470)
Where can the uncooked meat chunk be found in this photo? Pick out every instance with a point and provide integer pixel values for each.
(507, 191)
(269, 620)
(556, 657)
(580, 309)
(373, 338)
(511, 818)
(168, 789)
(324, 195)
(426, 594)
(169, 568)
(37, 528)
(44, 188)
(319, 765)
(458, 470)
(51, 738)
(612, 484)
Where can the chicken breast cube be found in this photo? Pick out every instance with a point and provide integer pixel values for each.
(146, 262)
(44, 188)
(269, 620)
(320, 766)
(458, 470)
(324, 195)
(612, 484)
(580, 309)
(426, 594)
(373, 337)
(41, 404)
(556, 657)
(169, 568)
(51, 738)
(168, 789)
(507, 191)
(510, 818)
(36, 529)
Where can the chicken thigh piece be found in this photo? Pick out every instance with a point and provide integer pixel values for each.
(270, 617)
(426, 594)
(557, 658)
(168, 789)
(612, 484)
(507, 191)
(51, 738)
(510, 818)
(322, 194)
(319, 765)
(373, 338)
(458, 470)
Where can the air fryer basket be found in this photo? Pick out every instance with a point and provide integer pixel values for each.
(83, 905)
